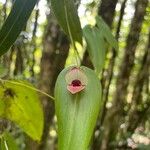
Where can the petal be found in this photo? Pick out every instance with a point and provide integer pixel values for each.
(76, 74)
(75, 89)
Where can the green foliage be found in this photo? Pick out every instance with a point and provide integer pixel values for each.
(21, 105)
(77, 113)
(96, 45)
(2, 108)
(67, 16)
(15, 22)
(107, 34)
(7, 142)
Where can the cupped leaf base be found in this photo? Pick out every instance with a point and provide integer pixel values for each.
(77, 113)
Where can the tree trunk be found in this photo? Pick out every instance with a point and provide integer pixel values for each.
(136, 114)
(33, 42)
(19, 61)
(107, 10)
(117, 109)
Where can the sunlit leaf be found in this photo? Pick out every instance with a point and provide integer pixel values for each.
(95, 46)
(2, 108)
(67, 16)
(14, 23)
(77, 113)
(21, 105)
(7, 142)
(104, 28)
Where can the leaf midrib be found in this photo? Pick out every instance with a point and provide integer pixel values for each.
(73, 120)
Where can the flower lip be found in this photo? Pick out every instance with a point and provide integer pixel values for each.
(76, 80)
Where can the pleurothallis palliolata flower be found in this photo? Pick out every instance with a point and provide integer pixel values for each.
(76, 80)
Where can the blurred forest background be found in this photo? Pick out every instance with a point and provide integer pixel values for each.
(42, 50)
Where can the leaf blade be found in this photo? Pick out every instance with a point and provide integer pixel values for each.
(77, 114)
(14, 23)
(106, 32)
(95, 46)
(21, 105)
(66, 14)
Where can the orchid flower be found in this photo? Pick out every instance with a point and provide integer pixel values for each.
(76, 80)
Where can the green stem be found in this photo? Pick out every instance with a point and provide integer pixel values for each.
(29, 87)
(71, 39)
(5, 143)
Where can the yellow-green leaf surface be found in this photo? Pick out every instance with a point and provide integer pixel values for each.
(67, 16)
(2, 108)
(77, 113)
(15, 22)
(7, 142)
(95, 46)
(22, 106)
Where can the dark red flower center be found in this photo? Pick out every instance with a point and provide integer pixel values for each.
(76, 83)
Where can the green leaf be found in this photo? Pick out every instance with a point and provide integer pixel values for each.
(95, 46)
(21, 105)
(67, 16)
(77, 113)
(15, 22)
(2, 108)
(7, 142)
(104, 28)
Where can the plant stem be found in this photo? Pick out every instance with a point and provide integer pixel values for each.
(71, 39)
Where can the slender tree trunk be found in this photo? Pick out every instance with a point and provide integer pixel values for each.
(19, 61)
(5, 9)
(117, 109)
(34, 44)
(107, 10)
(136, 114)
